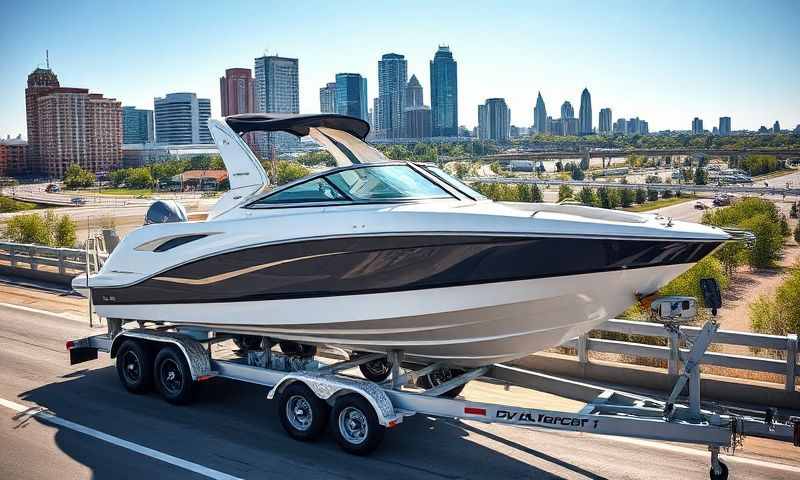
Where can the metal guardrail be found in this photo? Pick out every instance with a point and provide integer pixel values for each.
(789, 344)
(68, 261)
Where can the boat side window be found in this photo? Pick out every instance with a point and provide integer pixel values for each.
(454, 182)
(385, 182)
(316, 190)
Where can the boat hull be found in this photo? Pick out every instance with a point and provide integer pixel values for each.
(468, 325)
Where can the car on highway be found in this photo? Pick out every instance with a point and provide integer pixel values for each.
(78, 201)
(722, 199)
(52, 188)
(699, 205)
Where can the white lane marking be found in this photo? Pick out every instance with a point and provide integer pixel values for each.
(60, 316)
(38, 412)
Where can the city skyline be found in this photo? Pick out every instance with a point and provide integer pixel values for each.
(751, 49)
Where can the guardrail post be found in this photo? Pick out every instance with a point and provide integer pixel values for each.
(673, 362)
(791, 361)
(13, 252)
(61, 268)
(32, 263)
(582, 350)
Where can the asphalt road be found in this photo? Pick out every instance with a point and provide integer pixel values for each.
(230, 431)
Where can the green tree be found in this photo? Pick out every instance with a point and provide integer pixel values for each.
(586, 196)
(779, 315)
(288, 171)
(700, 176)
(117, 177)
(564, 192)
(797, 233)
(522, 193)
(139, 178)
(666, 194)
(77, 177)
(626, 197)
(768, 243)
(652, 195)
(536, 194)
(577, 174)
(28, 228)
(784, 224)
(64, 232)
(641, 196)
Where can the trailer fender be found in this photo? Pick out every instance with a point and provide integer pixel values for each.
(330, 387)
(196, 355)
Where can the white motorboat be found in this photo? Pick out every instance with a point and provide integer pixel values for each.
(376, 255)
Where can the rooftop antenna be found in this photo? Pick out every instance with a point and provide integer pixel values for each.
(47, 58)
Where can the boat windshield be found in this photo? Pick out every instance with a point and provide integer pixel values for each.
(373, 183)
(385, 182)
(454, 182)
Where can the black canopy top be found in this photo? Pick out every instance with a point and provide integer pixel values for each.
(296, 124)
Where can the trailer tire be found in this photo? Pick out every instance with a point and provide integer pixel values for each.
(303, 414)
(135, 366)
(376, 370)
(440, 376)
(723, 472)
(355, 425)
(172, 376)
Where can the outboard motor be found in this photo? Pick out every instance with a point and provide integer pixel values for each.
(165, 211)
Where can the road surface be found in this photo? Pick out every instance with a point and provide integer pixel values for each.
(230, 431)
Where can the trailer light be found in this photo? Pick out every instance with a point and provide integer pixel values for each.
(391, 424)
(474, 411)
(203, 378)
(70, 345)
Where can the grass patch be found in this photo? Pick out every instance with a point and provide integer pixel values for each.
(660, 203)
(8, 205)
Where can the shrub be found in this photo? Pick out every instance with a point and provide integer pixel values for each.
(797, 233)
(577, 174)
(41, 229)
(564, 192)
(689, 282)
(700, 176)
(586, 196)
(759, 164)
(652, 195)
(780, 314)
(666, 194)
(793, 210)
(768, 243)
(641, 195)
(626, 197)
(536, 194)
(784, 224)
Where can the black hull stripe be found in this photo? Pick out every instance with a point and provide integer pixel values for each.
(364, 265)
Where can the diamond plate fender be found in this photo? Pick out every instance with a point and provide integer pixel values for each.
(326, 386)
(196, 355)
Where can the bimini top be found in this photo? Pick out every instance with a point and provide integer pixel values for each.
(296, 124)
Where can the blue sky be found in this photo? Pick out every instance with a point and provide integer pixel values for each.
(665, 61)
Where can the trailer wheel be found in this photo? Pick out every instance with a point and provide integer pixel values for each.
(135, 366)
(298, 349)
(247, 342)
(438, 377)
(302, 413)
(173, 377)
(355, 425)
(376, 370)
(723, 472)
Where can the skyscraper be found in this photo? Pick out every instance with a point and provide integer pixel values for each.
(724, 126)
(236, 92)
(620, 126)
(327, 98)
(182, 119)
(137, 125)
(351, 95)
(776, 127)
(567, 111)
(494, 120)
(604, 123)
(41, 81)
(414, 97)
(540, 115)
(697, 126)
(277, 90)
(444, 94)
(585, 114)
(418, 122)
(392, 78)
(76, 126)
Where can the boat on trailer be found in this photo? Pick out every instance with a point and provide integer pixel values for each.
(378, 256)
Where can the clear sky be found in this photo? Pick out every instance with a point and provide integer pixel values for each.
(664, 61)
